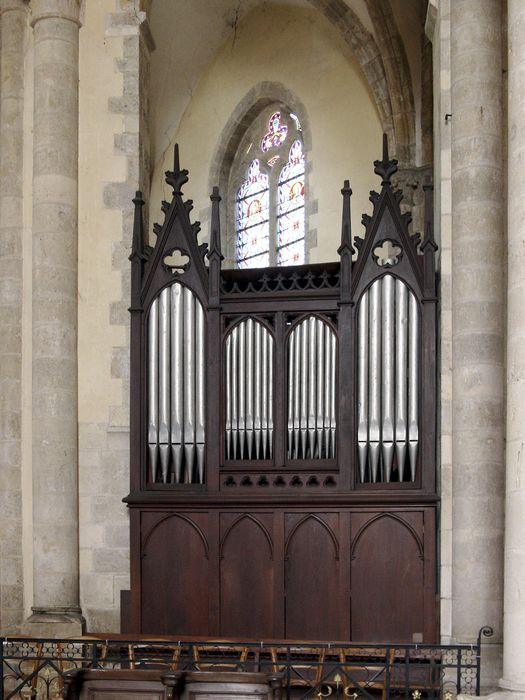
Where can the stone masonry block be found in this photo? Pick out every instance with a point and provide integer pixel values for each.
(111, 560)
(127, 143)
(118, 195)
(124, 105)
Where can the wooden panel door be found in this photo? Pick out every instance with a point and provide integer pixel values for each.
(175, 576)
(312, 574)
(246, 576)
(388, 577)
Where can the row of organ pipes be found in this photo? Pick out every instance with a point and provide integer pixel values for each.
(249, 392)
(387, 382)
(387, 387)
(311, 391)
(176, 387)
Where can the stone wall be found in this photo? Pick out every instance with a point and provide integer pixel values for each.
(114, 164)
(443, 219)
(13, 35)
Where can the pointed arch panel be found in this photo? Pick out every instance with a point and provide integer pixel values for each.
(247, 580)
(175, 599)
(387, 575)
(312, 579)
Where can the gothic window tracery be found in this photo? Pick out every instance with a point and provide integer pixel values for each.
(270, 201)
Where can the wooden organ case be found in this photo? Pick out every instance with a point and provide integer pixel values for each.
(283, 434)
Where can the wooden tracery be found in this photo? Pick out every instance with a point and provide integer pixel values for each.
(290, 401)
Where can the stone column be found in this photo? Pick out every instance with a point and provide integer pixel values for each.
(55, 408)
(13, 20)
(514, 615)
(477, 325)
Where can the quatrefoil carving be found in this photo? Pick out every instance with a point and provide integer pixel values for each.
(177, 261)
(388, 253)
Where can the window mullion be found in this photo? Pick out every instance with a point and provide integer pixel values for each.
(274, 194)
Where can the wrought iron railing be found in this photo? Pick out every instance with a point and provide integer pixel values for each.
(33, 669)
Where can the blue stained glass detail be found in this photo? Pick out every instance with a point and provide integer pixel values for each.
(290, 209)
(252, 218)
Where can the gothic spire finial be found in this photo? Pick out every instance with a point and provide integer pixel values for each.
(387, 167)
(176, 177)
(346, 227)
(137, 244)
(215, 235)
(345, 250)
(428, 231)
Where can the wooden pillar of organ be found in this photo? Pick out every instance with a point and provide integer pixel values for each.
(283, 434)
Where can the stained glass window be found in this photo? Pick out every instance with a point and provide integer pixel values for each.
(253, 242)
(276, 133)
(290, 209)
(270, 202)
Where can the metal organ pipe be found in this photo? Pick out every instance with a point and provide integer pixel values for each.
(303, 342)
(269, 344)
(362, 386)
(189, 384)
(291, 395)
(153, 387)
(327, 388)
(320, 414)
(164, 382)
(387, 388)
(374, 378)
(177, 381)
(266, 403)
(333, 412)
(249, 378)
(413, 376)
(296, 395)
(228, 421)
(401, 376)
(176, 387)
(249, 387)
(312, 386)
(257, 389)
(200, 389)
(387, 376)
(241, 424)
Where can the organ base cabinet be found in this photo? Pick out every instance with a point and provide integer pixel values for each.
(366, 574)
(283, 434)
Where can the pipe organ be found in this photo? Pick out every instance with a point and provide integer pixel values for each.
(283, 433)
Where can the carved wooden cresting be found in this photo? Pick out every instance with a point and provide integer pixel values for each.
(283, 433)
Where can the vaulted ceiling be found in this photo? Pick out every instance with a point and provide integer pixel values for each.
(188, 34)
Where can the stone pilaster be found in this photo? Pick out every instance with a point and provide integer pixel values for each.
(104, 446)
(514, 601)
(477, 325)
(55, 406)
(13, 22)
